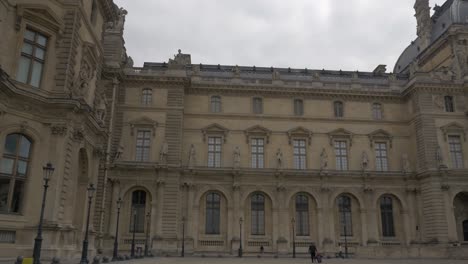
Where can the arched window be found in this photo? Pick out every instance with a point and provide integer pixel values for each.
(465, 230)
(213, 216)
(13, 171)
(216, 104)
(258, 214)
(257, 105)
(338, 108)
(346, 223)
(138, 211)
(147, 96)
(386, 213)
(302, 215)
(377, 111)
(298, 107)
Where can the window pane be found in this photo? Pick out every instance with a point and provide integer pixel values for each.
(17, 195)
(10, 144)
(39, 53)
(23, 70)
(29, 35)
(22, 167)
(25, 145)
(41, 40)
(6, 166)
(4, 189)
(36, 74)
(27, 48)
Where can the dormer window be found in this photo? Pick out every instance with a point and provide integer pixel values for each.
(31, 63)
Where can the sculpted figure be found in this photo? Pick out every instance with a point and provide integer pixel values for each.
(405, 164)
(119, 153)
(439, 157)
(461, 58)
(276, 75)
(236, 71)
(192, 162)
(163, 153)
(236, 157)
(323, 160)
(364, 160)
(279, 159)
(100, 106)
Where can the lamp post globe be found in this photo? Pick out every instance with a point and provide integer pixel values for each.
(115, 253)
(48, 170)
(84, 251)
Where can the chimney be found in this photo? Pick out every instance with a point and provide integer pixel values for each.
(423, 18)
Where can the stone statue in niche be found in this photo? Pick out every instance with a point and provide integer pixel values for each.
(119, 153)
(279, 159)
(364, 160)
(323, 160)
(439, 102)
(237, 158)
(100, 106)
(439, 157)
(80, 86)
(405, 164)
(163, 153)
(192, 162)
(276, 75)
(180, 60)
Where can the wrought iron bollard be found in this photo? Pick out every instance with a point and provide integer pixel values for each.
(19, 260)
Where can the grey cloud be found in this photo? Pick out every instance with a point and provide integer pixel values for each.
(331, 34)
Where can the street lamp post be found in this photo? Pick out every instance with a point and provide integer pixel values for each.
(116, 240)
(183, 236)
(132, 252)
(240, 237)
(293, 222)
(345, 208)
(345, 240)
(84, 252)
(148, 216)
(47, 170)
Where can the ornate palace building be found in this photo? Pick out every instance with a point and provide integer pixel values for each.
(220, 156)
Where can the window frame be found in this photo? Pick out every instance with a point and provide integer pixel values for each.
(14, 177)
(456, 155)
(257, 227)
(215, 156)
(449, 104)
(341, 157)
(147, 96)
(338, 109)
(140, 148)
(213, 227)
(387, 219)
(299, 156)
(377, 111)
(302, 215)
(140, 218)
(298, 107)
(256, 154)
(381, 161)
(32, 57)
(348, 215)
(215, 104)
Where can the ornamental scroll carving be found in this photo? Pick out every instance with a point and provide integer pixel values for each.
(87, 72)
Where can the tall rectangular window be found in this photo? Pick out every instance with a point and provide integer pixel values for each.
(338, 109)
(143, 145)
(377, 111)
(449, 104)
(214, 152)
(257, 152)
(32, 58)
(215, 104)
(300, 154)
(257, 105)
(381, 158)
(341, 154)
(298, 107)
(456, 152)
(147, 96)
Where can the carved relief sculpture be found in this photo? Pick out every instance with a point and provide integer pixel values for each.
(323, 160)
(237, 158)
(364, 160)
(279, 159)
(405, 164)
(163, 153)
(439, 157)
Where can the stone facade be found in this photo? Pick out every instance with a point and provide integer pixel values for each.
(377, 159)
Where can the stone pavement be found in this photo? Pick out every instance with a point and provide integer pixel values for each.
(253, 260)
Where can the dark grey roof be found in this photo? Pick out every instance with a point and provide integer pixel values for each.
(451, 12)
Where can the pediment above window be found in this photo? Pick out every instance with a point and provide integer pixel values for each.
(39, 14)
(144, 122)
(257, 131)
(454, 128)
(341, 134)
(380, 135)
(300, 132)
(215, 129)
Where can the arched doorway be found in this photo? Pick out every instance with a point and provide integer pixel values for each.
(460, 208)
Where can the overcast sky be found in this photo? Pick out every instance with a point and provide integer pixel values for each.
(313, 34)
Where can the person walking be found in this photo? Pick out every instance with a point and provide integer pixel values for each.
(312, 252)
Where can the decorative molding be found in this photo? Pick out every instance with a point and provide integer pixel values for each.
(454, 128)
(58, 129)
(380, 135)
(143, 122)
(215, 129)
(257, 131)
(299, 132)
(78, 134)
(341, 133)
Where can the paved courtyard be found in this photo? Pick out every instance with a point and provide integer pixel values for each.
(253, 260)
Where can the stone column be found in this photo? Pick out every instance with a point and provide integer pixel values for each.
(113, 208)
(406, 227)
(364, 237)
(320, 227)
(450, 213)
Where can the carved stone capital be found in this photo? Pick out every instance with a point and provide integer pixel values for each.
(58, 129)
